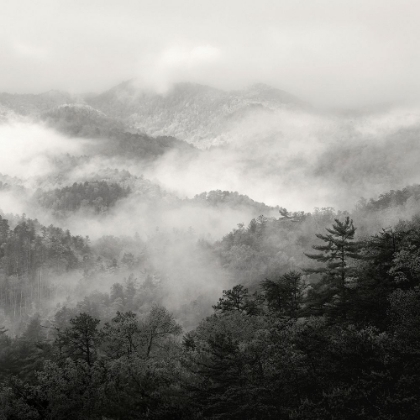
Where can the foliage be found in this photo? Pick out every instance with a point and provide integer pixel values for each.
(285, 296)
(238, 299)
(294, 349)
(99, 196)
(339, 248)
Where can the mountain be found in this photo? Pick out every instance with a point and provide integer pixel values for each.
(234, 200)
(191, 112)
(81, 120)
(114, 137)
(35, 104)
(201, 115)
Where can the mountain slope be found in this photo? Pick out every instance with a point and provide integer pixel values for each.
(114, 138)
(35, 104)
(195, 113)
(198, 114)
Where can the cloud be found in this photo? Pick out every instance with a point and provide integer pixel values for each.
(350, 53)
(12, 202)
(26, 149)
(301, 160)
(178, 63)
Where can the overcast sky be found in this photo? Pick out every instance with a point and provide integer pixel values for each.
(331, 52)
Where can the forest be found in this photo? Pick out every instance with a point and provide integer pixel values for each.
(209, 210)
(263, 265)
(321, 319)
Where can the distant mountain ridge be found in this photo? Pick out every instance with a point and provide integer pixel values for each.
(114, 137)
(35, 104)
(194, 113)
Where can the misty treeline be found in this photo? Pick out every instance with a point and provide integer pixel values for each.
(81, 187)
(112, 136)
(231, 199)
(29, 255)
(44, 266)
(392, 198)
(321, 320)
(99, 196)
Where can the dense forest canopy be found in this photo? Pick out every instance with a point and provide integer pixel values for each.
(209, 210)
(140, 277)
(100, 196)
(334, 335)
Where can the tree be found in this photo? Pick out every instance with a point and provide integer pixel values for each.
(285, 295)
(339, 249)
(226, 359)
(121, 335)
(377, 277)
(333, 291)
(34, 331)
(81, 340)
(237, 299)
(158, 327)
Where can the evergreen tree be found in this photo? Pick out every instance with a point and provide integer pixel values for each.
(238, 299)
(339, 248)
(285, 295)
(121, 335)
(81, 340)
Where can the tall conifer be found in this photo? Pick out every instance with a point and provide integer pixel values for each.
(339, 248)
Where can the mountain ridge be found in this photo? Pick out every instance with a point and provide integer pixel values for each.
(191, 112)
(195, 113)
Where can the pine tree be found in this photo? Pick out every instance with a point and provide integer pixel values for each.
(238, 299)
(81, 339)
(340, 247)
(284, 296)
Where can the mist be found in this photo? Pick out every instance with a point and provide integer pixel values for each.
(193, 163)
(350, 54)
(290, 158)
(209, 209)
(303, 160)
(26, 149)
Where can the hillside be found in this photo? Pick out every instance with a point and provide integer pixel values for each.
(115, 137)
(198, 114)
(195, 113)
(35, 104)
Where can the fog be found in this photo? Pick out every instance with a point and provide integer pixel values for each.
(26, 149)
(352, 133)
(198, 199)
(350, 53)
(290, 158)
(300, 160)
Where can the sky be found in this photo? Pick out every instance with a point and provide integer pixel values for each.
(344, 53)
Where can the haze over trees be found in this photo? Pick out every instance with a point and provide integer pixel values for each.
(345, 357)
(134, 284)
(209, 210)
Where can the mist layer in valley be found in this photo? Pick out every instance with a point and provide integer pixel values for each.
(157, 184)
(260, 142)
